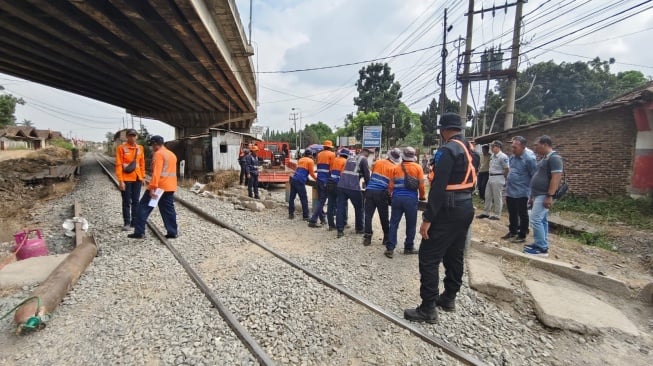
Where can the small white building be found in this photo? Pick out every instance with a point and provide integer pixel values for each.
(216, 151)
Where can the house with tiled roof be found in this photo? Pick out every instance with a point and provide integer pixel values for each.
(607, 149)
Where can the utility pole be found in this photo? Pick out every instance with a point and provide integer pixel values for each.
(443, 80)
(514, 63)
(466, 61)
(293, 118)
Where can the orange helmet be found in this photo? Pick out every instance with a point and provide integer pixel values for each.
(328, 143)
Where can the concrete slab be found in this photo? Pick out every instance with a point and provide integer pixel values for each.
(564, 308)
(575, 226)
(485, 276)
(29, 271)
(592, 279)
(647, 293)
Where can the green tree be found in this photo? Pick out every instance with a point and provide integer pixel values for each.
(321, 131)
(379, 92)
(429, 122)
(563, 87)
(415, 136)
(8, 109)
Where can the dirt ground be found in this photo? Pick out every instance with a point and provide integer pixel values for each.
(17, 198)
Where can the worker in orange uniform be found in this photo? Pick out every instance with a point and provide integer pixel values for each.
(162, 186)
(405, 193)
(377, 194)
(305, 167)
(324, 160)
(130, 172)
(335, 169)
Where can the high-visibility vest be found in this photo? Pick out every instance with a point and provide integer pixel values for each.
(471, 172)
(125, 154)
(164, 171)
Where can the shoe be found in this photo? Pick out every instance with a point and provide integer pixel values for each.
(411, 251)
(331, 228)
(421, 314)
(494, 218)
(291, 216)
(508, 236)
(518, 240)
(170, 236)
(482, 216)
(313, 224)
(305, 219)
(445, 302)
(536, 251)
(367, 240)
(389, 253)
(360, 232)
(323, 222)
(340, 234)
(136, 236)
(257, 197)
(126, 228)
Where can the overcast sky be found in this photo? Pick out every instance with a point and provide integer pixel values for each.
(299, 34)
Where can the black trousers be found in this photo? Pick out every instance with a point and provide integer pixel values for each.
(518, 215)
(376, 200)
(446, 244)
(482, 183)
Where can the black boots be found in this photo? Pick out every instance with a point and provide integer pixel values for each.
(367, 240)
(445, 302)
(423, 313)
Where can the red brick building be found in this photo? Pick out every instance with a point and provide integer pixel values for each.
(607, 149)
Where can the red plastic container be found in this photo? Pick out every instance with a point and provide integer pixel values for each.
(32, 246)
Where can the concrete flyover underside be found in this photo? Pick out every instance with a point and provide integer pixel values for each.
(184, 62)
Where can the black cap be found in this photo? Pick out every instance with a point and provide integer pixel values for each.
(156, 139)
(131, 132)
(450, 120)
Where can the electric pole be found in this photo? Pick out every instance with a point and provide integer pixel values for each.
(293, 118)
(443, 80)
(466, 61)
(514, 63)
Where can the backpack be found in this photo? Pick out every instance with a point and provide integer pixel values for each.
(410, 182)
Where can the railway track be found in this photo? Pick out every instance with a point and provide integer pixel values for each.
(296, 274)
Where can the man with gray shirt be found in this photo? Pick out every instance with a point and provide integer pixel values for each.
(544, 184)
(522, 169)
(499, 168)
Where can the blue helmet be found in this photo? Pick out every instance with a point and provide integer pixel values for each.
(344, 152)
(156, 139)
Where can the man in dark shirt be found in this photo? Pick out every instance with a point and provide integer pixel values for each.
(445, 222)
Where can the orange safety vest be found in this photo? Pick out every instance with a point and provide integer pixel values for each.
(125, 154)
(164, 171)
(465, 184)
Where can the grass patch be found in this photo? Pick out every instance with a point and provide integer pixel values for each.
(600, 239)
(223, 180)
(633, 212)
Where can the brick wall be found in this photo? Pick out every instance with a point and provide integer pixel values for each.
(598, 150)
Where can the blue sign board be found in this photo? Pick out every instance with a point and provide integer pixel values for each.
(371, 136)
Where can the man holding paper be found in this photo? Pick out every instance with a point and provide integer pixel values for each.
(160, 191)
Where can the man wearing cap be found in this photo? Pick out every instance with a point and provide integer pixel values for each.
(130, 172)
(164, 179)
(445, 222)
(335, 169)
(404, 201)
(349, 188)
(251, 171)
(324, 160)
(377, 194)
(499, 168)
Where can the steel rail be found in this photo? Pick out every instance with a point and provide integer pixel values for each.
(451, 350)
(228, 316)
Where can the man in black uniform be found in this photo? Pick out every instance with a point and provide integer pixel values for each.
(445, 222)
